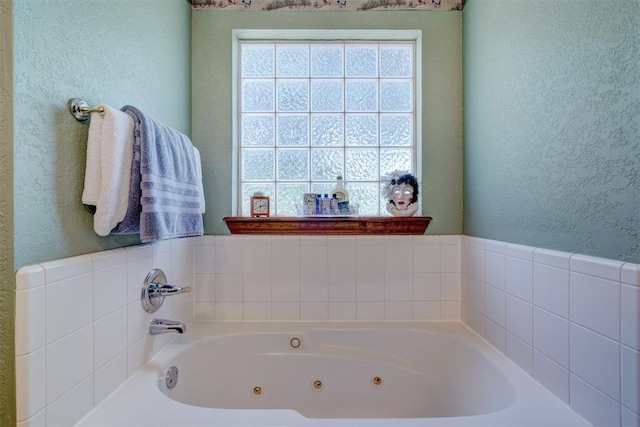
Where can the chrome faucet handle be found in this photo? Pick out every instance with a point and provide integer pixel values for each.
(165, 289)
(155, 288)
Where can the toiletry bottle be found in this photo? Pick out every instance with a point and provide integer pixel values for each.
(343, 196)
(333, 205)
(326, 204)
(318, 204)
(341, 192)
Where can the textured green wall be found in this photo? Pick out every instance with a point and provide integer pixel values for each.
(115, 52)
(551, 124)
(441, 185)
(7, 312)
(105, 51)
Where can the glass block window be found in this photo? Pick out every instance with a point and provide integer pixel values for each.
(309, 111)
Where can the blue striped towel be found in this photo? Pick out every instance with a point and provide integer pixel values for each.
(166, 197)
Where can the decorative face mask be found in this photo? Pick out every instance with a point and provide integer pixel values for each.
(402, 195)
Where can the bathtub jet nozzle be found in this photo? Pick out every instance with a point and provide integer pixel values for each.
(164, 326)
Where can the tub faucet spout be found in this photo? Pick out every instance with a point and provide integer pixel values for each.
(164, 326)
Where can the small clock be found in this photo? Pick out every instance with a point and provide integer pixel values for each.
(259, 205)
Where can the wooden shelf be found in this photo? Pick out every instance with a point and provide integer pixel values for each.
(330, 225)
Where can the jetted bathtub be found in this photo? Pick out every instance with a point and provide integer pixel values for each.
(331, 374)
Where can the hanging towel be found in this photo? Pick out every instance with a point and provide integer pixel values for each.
(170, 182)
(130, 224)
(108, 174)
(91, 189)
(199, 177)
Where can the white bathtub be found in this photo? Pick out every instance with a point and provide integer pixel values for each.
(341, 374)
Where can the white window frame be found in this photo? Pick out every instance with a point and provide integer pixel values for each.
(241, 35)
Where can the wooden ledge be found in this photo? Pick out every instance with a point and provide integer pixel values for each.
(330, 225)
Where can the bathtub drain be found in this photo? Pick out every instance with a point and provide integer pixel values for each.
(257, 391)
(317, 385)
(172, 377)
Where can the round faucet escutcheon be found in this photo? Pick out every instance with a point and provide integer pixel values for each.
(155, 288)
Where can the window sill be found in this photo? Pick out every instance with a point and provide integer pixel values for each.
(331, 225)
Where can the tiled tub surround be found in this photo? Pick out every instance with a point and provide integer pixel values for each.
(570, 321)
(81, 331)
(71, 351)
(539, 307)
(327, 278)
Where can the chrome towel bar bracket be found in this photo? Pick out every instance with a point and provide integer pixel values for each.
(155, 288)
(81, 110)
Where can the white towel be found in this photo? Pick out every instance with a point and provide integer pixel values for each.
(92, 172)
(199, 178)
(114, 164)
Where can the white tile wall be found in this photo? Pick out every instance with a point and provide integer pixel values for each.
(570, 320)
(327, 278)
(80, 329)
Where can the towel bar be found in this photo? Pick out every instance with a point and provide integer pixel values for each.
(80, 109)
